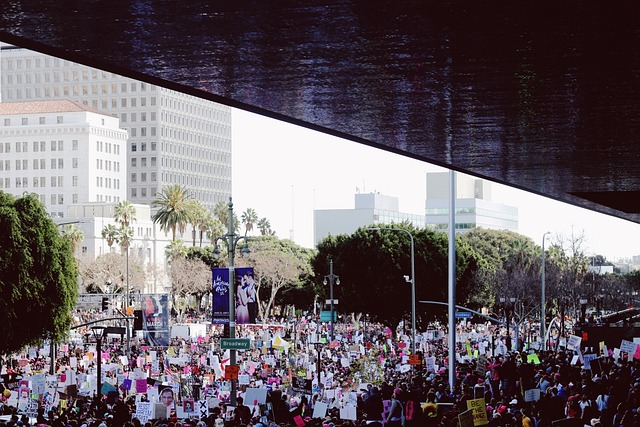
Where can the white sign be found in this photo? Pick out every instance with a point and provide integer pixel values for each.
(143, 411)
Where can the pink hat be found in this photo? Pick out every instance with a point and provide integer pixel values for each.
(397, 390)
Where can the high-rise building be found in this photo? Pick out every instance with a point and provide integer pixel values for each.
(370, 209)
(474, 207)
(64, 152)
(173, 138)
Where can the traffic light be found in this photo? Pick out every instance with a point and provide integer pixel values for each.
(105, 303)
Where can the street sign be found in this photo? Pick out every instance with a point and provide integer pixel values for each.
(335, 301)
(231, 372)
(325, 316)
(235, 343)
(463, 315)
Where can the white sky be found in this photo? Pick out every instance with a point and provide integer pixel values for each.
(285, 172)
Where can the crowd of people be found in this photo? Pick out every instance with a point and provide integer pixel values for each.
(366, 375)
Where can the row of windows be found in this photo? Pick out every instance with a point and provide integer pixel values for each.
(102, 164)
(36, 182)
(37, 164)
(197, 181)
(143, 192)
(491, 213)
(107, 147)
(41, 120)
(143, 162)
(142, 145)
(143, 177)
(102, 182)
(37, 146)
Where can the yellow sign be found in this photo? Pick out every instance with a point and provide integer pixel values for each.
(479, 411)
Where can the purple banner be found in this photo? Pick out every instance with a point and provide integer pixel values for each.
(246, 305)
(220, 293)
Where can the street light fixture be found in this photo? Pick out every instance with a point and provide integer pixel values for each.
(98, 334)
(413, 284)
(332, 278)
(231, 239)
(543, 308)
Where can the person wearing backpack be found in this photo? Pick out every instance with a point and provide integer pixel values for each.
(395, 417)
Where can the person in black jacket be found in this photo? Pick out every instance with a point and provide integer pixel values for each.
(373, 406)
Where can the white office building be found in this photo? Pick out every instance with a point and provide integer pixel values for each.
(65, 152)
(173, 138)
(370, 209)
(473, 205)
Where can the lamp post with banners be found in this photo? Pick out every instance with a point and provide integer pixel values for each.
(332, 278)
(231, 239)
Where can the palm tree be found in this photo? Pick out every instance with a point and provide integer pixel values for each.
(74, 235)
(124, 213)
(249, 217)
(264, 226)
(221, 211)
(197, 217)
(173, 214)
(110, 233)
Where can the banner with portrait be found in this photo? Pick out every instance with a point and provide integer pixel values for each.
(155, 319)
(246, 305)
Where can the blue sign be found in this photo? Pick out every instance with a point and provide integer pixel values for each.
(325, 316)
(463, 315)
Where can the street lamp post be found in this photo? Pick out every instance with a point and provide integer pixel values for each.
(332, 278)
(543, 308)
(231, 239)
(412, 280)
(98, 333)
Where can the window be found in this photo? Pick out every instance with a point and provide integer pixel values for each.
(134, 147)
(60, 145)
(61, 181)
(133, 177)
(134, 192)
(35, 164)
(35, 146)
(74, 145)
(54, 181)
(53, 163)
(43, 164)
(18, 164)
(25, 146)
(133, 162)
(25, 121)
(42, 120)
(54, 144)
(53, 199)
(143, 146)
(7, 122)
(59, 120)
(60, 163)
(143, 162)
(43, 181)
(74, 163)
(74, 198)
(143, 177)
(18, 147)
(43, 146)
(74, 181)
(25, 165)
(35, 182)
(143, 192)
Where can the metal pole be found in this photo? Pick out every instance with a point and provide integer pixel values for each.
(452, 280)
(99, 391)
(232, 295)
(413, 284)
(544, 302)
(413, 297)
(331, 295)
(126, 309)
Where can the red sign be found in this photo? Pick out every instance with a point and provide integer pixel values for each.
(231, 372)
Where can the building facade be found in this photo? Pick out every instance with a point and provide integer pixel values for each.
(173, 138)
(370, 209)
(474, 207)
(64, 152)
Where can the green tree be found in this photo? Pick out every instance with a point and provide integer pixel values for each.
(74, 235)
(124, 213)
(110, 233)
(279, 265)
(264, 226)
(173, 212)
(38, 275)
(249, 218)
(372, 266)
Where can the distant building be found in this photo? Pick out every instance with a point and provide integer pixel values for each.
(148, 244)
(474, 207)
(63, 151)
(174, 138)
(370, 209)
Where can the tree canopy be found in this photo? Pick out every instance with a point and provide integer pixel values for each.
(372, 264)
(38, 275)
